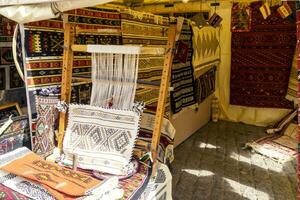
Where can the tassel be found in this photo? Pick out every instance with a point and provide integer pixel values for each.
(215, 20)
(284, 10)
(265, 10)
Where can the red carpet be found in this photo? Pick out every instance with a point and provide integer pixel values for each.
(261, 61)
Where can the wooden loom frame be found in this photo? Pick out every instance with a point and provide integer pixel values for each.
(69, 35)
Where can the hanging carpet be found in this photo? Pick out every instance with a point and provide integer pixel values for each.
(47, 114)
(261, 61)
(205, 85)
(152, 30)
(293, 81)
(206, 47)
(182, 76)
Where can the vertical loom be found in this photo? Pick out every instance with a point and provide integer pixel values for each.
(69, 34)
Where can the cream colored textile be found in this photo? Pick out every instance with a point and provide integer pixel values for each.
(42, 10)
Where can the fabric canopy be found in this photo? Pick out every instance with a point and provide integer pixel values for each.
(25, 11)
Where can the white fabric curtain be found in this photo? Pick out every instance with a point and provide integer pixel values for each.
(25, 13)
(248, 115)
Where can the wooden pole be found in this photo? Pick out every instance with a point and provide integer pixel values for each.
(163, 93)
(66, 78)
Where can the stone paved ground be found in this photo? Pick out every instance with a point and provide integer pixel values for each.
(212, 165)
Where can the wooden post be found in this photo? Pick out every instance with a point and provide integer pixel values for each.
(66, 78)
(163, 92)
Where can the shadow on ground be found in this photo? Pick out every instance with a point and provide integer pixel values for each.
(212, 164)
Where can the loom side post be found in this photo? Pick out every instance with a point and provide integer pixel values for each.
(163, 94)
(66, 78)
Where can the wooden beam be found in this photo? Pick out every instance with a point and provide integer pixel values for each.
(177, 8)
(163, 92)
(99, 31)
(139, 85)
(66, 79)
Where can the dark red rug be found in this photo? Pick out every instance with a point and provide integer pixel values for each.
(261, 61)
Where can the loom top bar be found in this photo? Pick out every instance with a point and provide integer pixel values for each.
(119, 49)
(102, 31)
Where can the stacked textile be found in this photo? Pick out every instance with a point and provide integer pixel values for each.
(151, 30)
(143, 142)
(30, 175)
(182, 78)
(44, 50)
(261, 60)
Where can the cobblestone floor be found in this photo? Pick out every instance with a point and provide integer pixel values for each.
(212, 165)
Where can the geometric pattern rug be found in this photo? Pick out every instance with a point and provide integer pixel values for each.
(102, 139)
(281, 147)
(182, 76)
(144, 139)
(16, 135)
(205, 84)
(47, 113)
(146, 29)
(261, 61)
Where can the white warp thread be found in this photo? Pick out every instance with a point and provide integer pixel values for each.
(114, 78)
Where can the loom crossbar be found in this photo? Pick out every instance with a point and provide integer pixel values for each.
(119, 49)
(141, 83)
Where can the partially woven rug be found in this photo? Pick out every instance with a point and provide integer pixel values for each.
(44, 52)
(261, 61)
(102, 139)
